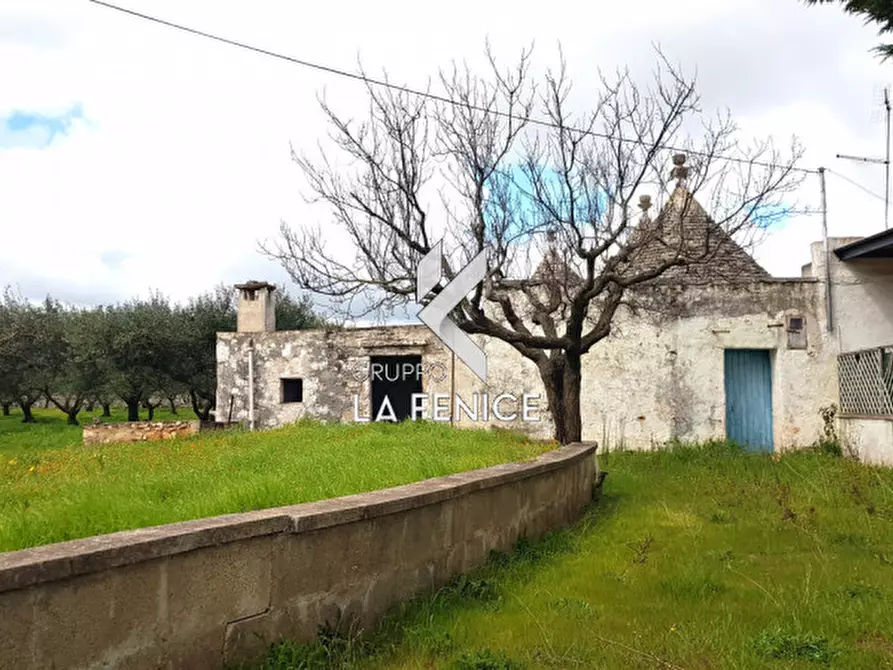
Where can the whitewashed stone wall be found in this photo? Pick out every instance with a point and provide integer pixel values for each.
(329, 361)
(655, 378)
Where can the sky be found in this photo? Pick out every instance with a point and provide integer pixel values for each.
(134, 157)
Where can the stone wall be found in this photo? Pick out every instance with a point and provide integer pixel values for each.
(138, 431)
(331, 363)
(202, 593)
(658, 376)
(662, 377)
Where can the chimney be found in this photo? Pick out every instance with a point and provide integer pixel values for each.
(256, 309)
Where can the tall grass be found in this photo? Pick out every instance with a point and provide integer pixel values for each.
(52, 432)
(54, 489)
(695, 557)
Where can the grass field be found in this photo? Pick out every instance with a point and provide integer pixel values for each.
(693, 558)
(51, 431)
(53, 488)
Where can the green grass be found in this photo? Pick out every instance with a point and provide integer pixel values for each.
(51, 431)
(693, 558)
(53, 488)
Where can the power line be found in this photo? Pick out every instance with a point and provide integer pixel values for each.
(857, 185)
(425, 94)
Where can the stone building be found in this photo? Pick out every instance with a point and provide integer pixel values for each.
(733, 352)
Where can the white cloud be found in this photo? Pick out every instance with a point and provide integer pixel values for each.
(182, 162)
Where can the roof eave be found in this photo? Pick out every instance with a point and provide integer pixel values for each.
(876, 246)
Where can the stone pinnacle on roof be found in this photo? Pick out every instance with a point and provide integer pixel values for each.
(645, 205)
(680, 171)
(684, 229)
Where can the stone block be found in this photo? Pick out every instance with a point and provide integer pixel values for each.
(18, 630)
(428, 535)
(320, 560)
(210, 587)
(100, 618)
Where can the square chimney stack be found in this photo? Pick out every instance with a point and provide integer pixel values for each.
(257, 308)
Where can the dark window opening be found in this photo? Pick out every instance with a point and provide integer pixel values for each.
(292, 390)
(249, 295)
(796, 323)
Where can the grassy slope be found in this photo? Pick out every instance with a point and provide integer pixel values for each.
(695, 559)
(52, 488)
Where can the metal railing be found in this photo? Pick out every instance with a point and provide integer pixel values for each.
(866, 382)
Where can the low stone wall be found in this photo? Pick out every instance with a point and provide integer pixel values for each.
(202, 593)
(138, 431)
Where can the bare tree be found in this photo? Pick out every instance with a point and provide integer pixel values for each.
(551, 199)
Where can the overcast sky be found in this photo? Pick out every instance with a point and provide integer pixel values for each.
(136, 157)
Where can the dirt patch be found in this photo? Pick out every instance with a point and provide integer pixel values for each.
(877, 643)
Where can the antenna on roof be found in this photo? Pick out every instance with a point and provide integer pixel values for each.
(880, 161)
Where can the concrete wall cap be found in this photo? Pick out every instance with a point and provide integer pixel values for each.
(27, 567)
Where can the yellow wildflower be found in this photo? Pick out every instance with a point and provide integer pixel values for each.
(13, 462)
(31, 469)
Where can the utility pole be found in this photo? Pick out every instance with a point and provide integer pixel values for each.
(887, 162)
(879, 161)
(830, 322)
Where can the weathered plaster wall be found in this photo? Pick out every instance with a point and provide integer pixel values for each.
(870, 438)
(861, 297)
(507, 372)
(203, 593)
(662, 377)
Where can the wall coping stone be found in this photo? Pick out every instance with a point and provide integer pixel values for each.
(28, 567)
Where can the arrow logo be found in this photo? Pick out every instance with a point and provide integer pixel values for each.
(435, 314)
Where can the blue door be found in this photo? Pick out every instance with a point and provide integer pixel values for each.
(748, 382)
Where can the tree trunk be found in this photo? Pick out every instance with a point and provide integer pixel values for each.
(561, 375)
(133, 408)
(91, 405)
(26, 411)
(71, 407)
(5, 407)
(106, 409)
(151, 409)
(203, 413)
(172, 401)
